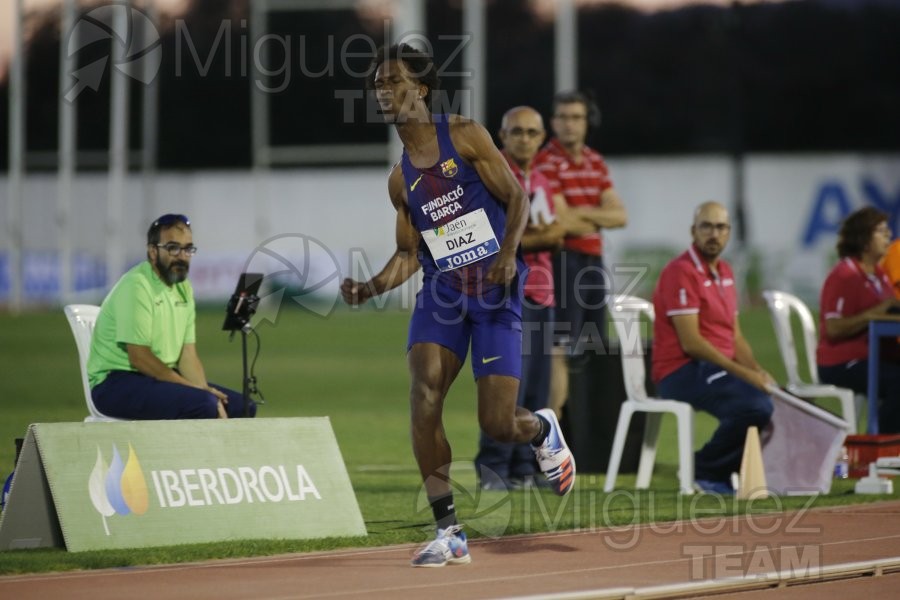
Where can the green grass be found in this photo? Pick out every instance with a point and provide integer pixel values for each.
(351, 367)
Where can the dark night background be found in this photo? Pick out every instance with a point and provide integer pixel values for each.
(812, 76)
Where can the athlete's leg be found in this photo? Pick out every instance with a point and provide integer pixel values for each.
(432, 369)
(534, 389)
(497, 364)
(496, 352)
(498, 414)
(436, 349)
(501, 418)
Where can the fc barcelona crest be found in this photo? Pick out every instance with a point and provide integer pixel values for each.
(449, 168)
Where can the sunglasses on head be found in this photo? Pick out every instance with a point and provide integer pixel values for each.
(171, 218)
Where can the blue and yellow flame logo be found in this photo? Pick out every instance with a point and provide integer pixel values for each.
(120, 488)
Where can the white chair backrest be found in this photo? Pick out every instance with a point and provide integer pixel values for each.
(82, 318)
(626, 316)
(781, 305)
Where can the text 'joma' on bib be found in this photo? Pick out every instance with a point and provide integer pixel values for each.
(462, 241)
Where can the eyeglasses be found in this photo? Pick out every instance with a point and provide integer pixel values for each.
(530, 132)
(174, 248)
(706, 227)
(170, 218)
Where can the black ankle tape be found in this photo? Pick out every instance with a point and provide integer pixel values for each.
(444, 511)
(543, 433)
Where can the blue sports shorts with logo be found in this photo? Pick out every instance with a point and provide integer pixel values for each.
(492, 321)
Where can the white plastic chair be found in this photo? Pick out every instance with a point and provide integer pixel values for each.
(626, 313)
(781, 305)
(81, 319)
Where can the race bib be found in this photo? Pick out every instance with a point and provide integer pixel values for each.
(462, 241)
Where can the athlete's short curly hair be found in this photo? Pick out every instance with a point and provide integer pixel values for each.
(420, 65)
(857, 230)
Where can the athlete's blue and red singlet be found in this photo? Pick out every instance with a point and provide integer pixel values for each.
(462, 226)
(461, 223)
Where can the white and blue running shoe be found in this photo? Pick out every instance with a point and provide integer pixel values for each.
(449, 547)
(554, 457)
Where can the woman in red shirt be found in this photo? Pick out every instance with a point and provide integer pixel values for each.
(857, 291)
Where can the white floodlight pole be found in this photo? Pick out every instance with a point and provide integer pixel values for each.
(566, 45)
(259, 103)
(67, 152)
(407, 25)
(150, 122)
(118, 147)
(17, 141)
(259, 115)
(475, 59)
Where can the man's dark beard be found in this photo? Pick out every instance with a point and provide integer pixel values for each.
(710, 255)
(168, 274)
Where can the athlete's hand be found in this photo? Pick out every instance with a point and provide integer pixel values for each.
(503, 271)
(355, 292)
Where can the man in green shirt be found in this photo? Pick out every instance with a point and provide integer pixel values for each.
(143, 362)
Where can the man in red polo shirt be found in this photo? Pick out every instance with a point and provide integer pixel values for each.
(699, 354)
(582, 284)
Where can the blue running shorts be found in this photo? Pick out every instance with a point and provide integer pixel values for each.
(492, 321)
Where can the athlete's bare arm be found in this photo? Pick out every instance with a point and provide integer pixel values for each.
(403, 263)
(475, 146)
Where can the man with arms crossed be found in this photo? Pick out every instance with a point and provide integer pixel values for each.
(580, 174)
